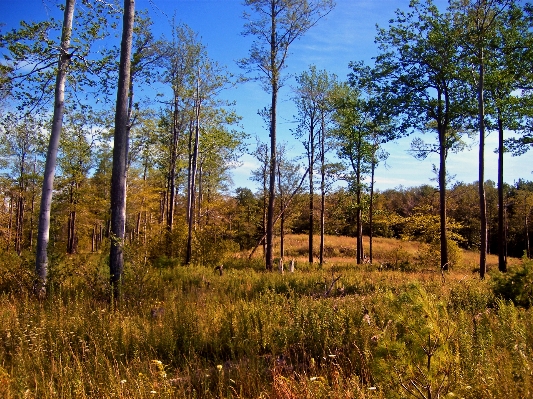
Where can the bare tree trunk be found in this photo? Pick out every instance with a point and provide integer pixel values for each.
(442, 199)
(359, 220)
(32, 206)
(371, 208)
(502, 245)
(10, 222)
(282, 220)
(19, 222)
(41, 258)
(192, 173)
(482, 197)
(273, 158)
(526, 225)
(171, 197)
(311, 155)
(120, 154)
(322, 186)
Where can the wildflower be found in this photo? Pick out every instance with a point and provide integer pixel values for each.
(219, 367)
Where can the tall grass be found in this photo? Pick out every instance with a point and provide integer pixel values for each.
(337, 331)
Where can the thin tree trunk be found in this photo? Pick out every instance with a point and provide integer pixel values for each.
(282, 211)
(526, 225)
(193, 170)
(19, 227)
(371, 208)
(311, 160)
(359, 212)
(282, 221)
(120, 154)
(442, 200)
(172, 179)
(322, 187)
(502, 259)
(41, 258)
(32, 206)
(273, 157)
(482, 197)
(10, 223)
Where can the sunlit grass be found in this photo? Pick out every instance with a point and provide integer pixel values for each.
(340, 330)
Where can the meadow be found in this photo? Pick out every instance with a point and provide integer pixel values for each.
(397, 328)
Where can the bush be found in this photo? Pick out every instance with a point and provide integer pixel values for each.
(429, 254)
(516, 285)
(398, 259)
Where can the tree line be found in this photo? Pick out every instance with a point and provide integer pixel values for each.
(152, 168)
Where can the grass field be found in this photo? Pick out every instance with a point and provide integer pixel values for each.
(394, 329)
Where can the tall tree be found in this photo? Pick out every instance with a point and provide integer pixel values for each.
(419, 58)
(479, 19)
(41, 261)
(20, 148)
(506, 72)
(353, 132)
(277, 24)
(376, 109)
(311, 97)
(180, 71)
(120, 153)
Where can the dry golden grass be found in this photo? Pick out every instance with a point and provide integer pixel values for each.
(342, 250)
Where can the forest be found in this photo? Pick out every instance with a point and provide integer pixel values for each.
(132, 266)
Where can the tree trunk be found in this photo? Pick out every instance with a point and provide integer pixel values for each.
(526, 225)
(311, 160)
(442, 199)
(120, 154)
(192, 173)
(482, 197)
(322, 186)
(10, 222)
(273, 157)
(371, 208)
(359, 221)
(41, 258)
(19, 226)
(171, 197)
(502, 259)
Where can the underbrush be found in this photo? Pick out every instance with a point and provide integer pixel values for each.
(190, 332)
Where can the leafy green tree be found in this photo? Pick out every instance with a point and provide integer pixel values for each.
(504, 75)
(379, 123)
(75, 159)
(21, 161)
(180, 65)
(277, 24)
(248, 221)
(479, 20)
(353, 131)
(419, 59)
(31, 65)
(312, 101)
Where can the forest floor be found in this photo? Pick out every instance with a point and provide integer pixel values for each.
(395, 329)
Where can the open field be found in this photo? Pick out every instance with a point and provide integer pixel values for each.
(337, 331)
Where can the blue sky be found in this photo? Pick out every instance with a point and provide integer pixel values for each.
(346, 34)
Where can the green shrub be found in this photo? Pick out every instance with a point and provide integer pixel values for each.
(429, 254)
(398, 259)
(516, 285)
